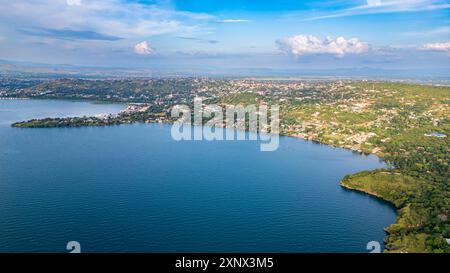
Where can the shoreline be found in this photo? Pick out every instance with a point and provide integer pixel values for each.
(379, 197)
(369, 193)
(342, 182)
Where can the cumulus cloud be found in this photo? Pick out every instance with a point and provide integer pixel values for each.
(73, 2)
(437, 46)
(143, 48)
(299, 45)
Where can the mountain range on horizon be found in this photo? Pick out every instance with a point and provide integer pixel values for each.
(68, 70)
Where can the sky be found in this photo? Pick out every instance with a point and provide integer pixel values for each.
(233, 34)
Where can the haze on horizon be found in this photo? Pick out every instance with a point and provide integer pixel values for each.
(201, 34)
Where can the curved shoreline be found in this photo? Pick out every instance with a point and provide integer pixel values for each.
(342, 182)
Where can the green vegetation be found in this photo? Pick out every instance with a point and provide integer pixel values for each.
(241, 98)
(89, 121)
(422, 223)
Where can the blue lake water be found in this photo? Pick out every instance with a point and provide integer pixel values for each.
(131, 188)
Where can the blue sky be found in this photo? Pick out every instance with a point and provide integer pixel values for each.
(283, 34)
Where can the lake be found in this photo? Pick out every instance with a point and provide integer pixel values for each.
(132, 188)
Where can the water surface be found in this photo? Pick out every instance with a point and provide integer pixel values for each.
(131, 188)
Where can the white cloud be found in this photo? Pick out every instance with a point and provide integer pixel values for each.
(233, 21)
(73, 2)
(111, 17)
(143, 48)
(386, 6)
(437, 47)
(306, 45)
(373, 2)
(430, 32)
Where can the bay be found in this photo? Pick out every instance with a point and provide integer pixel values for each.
(132, 188)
